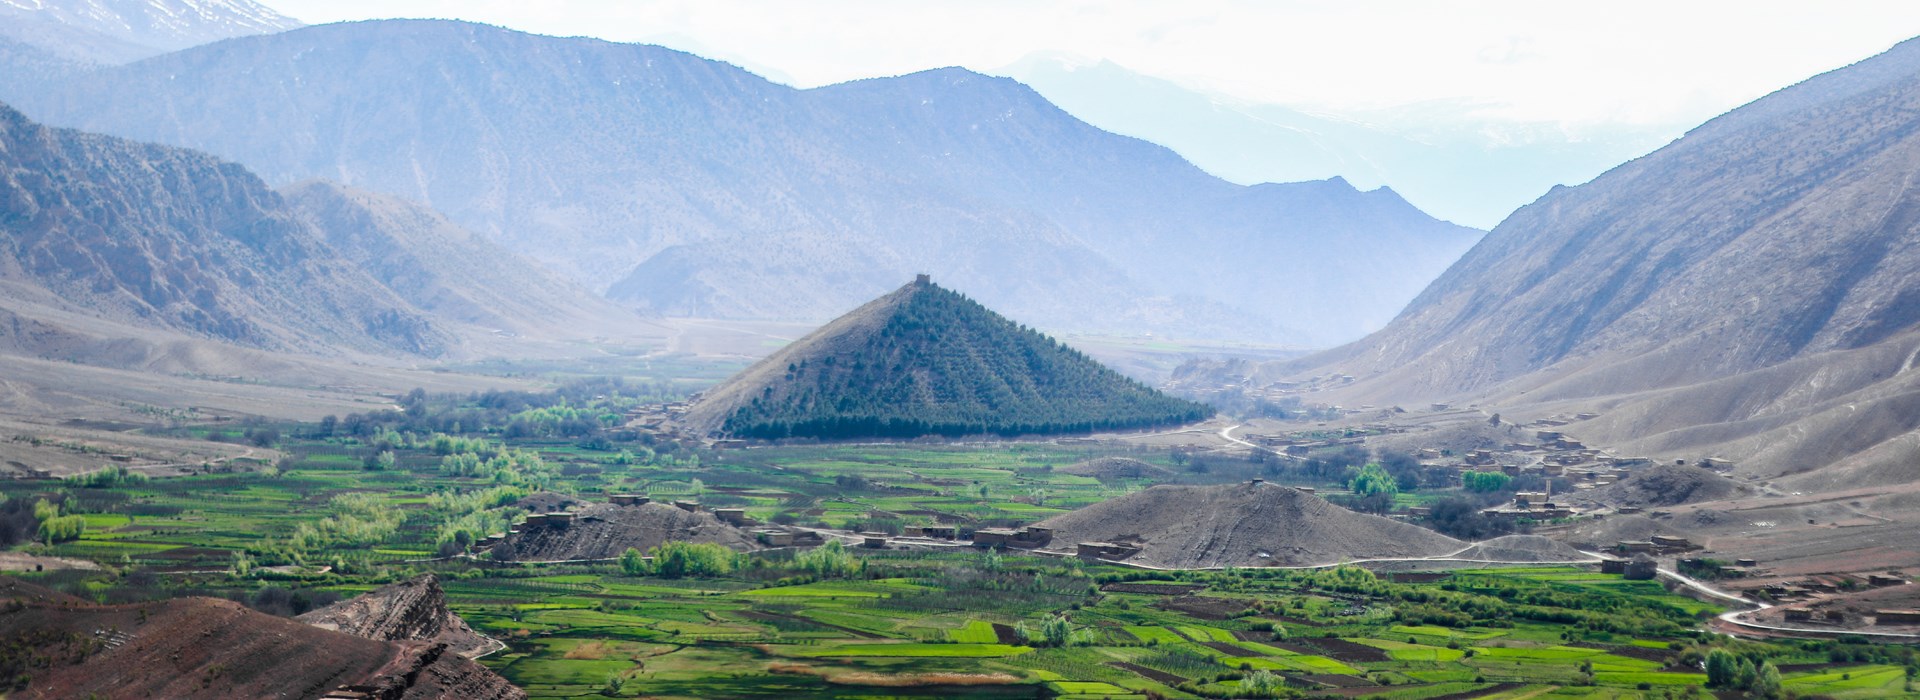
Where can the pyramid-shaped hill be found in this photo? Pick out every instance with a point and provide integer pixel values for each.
(924, 360)
(1241, 524)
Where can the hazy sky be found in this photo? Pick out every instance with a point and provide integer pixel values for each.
(1585, 63)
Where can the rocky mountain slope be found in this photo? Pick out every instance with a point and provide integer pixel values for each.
(414, 610)
(209, 648)
(1751, 291)
(606, 531)
(172, 239)
(120, 31)
(691, 187)
(1243, 524)
(925, 360)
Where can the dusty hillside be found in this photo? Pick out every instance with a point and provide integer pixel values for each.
(207, 648)
(414, 610)
(1746, 292)
(924, 360)
(605, 531)
(1664, 485)
(1105, 468)
(1242, 524)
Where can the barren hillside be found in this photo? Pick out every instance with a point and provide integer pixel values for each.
(207, 648)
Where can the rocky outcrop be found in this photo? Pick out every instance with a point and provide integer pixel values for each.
(211, 648)
(408, 611)
(435, 671)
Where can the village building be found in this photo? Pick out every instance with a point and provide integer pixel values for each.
(629, 499)
(1104, 550)
(1896, 617)
(774, 538)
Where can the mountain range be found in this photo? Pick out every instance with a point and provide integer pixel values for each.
(1746, 292)
(683, 186)
(1441, 156)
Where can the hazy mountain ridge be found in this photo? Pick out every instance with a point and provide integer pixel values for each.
(1451, 163)
(443, 269)
(1748, 291)
(594, 158)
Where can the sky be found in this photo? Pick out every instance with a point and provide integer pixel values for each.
(1578, 64)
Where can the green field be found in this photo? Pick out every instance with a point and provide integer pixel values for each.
(336, 518)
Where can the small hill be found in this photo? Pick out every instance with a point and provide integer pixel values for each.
(605, 531)
(924, 360)
(210, 648)
(1523, 548)
(1242, 524)
(411, 610)
(1106, 468)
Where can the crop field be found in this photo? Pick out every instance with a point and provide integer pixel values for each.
(356, 506)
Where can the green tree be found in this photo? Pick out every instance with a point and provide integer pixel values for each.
(1485, 482)
(633, 563)
(1374, 479)
(702, 560)
(1766, 682)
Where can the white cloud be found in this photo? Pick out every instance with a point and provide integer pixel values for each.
(1590, 63)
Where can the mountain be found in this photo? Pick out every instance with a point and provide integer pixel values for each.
(927, 361)
(691, 187)
(171, 239)
(111, 32)
(444, 270)
(1442, 157)
(1751, 291)
(1242, 524)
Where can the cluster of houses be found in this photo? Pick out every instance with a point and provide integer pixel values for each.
(657, 417)
(1818, 585)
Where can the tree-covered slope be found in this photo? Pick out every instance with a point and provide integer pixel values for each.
(924, 360)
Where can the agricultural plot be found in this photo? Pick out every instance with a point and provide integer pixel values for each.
(337, 518)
